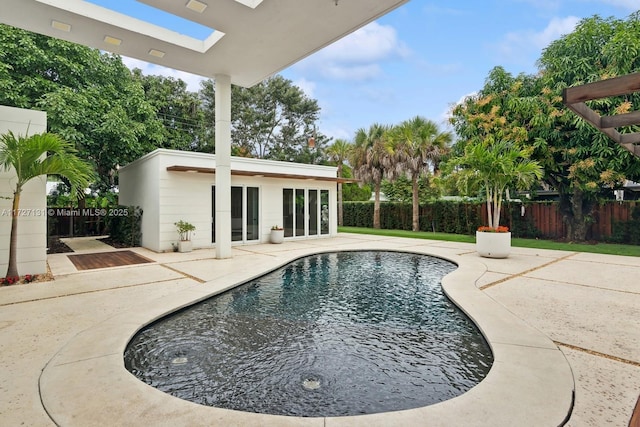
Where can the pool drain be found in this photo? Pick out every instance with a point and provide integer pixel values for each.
(311, 383)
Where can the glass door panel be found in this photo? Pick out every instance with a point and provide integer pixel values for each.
(299, 213)
(312, 208)
(253, 233)
(287, 211)
(236, 214)
(324, 211)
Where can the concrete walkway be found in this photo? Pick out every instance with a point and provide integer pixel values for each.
(62, 341)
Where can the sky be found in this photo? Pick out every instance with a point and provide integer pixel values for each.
(424, 57)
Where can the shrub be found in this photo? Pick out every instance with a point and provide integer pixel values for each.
(126, 228)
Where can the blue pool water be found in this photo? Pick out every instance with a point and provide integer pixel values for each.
(327, 335)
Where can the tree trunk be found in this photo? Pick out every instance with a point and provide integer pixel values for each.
(12, 268)
(576, 215)
(376, 207)
(416, 204)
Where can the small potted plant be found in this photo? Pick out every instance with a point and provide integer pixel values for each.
(277, 234)
(184, 231)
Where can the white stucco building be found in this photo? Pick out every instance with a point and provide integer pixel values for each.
(172, 185)
(32, 221)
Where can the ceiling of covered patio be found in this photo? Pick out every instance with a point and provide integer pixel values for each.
(248, 40)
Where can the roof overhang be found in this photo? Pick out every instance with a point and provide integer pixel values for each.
(235, 172)
(575, 98)
(250, 40)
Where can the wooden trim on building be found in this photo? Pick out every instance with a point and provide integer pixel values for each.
(178, 168)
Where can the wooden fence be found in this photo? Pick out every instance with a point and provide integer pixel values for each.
(612, 221)
(547, 218)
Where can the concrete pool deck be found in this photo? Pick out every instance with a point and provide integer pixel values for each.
(557, 322)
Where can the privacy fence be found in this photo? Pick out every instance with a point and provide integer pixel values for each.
(611, 221)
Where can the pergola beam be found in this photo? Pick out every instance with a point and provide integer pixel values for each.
(603, 89)
(574, 98)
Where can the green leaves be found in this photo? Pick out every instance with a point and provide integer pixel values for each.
(493, 166)
(44, 154)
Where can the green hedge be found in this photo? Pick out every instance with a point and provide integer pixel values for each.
(627, 232)
(125, 225)
(438, 216)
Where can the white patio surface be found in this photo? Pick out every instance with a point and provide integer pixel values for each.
(570, 320)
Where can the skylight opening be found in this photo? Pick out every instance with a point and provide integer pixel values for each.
(157, 17)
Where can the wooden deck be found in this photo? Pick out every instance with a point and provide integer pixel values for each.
(107, 259)
(635, 418)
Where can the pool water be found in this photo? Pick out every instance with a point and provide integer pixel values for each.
(332, 334)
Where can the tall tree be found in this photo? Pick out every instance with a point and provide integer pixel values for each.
(272, 120)
(338, 152)
(417, 144)
(179, 111)
(580, 161)
(33, 156)
(90, 98)
(371, 159)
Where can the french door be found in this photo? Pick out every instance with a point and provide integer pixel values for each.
(305, 212)
(245, 214)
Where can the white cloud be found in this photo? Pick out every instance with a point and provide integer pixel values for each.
(556, 28)
(192, 80)
(307, 86)
(446, 114)
(337, 132)
(357, 56)
(520, 44)
(625, 4)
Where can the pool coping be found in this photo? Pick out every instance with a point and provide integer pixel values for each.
(86, 383)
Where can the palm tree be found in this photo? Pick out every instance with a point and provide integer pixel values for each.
(417, 144)
(493, 166)
(33, 156)
(370, 158)
(339, 152)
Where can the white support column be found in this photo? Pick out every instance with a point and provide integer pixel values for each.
(223, 165)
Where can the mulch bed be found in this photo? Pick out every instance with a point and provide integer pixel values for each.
(56, 246)
(118, 245)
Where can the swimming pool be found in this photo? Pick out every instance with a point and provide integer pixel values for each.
(331, 334)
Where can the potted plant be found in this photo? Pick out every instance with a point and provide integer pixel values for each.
(492, 167)
(184, 231)
(277, 234)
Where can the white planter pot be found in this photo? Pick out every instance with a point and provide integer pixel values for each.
(185, 246)
(277, 236)
(493, 245)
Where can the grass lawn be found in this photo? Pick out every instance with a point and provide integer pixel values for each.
(599, 248)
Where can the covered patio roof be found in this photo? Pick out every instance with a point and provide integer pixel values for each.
(249, 41)
(575, 98)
